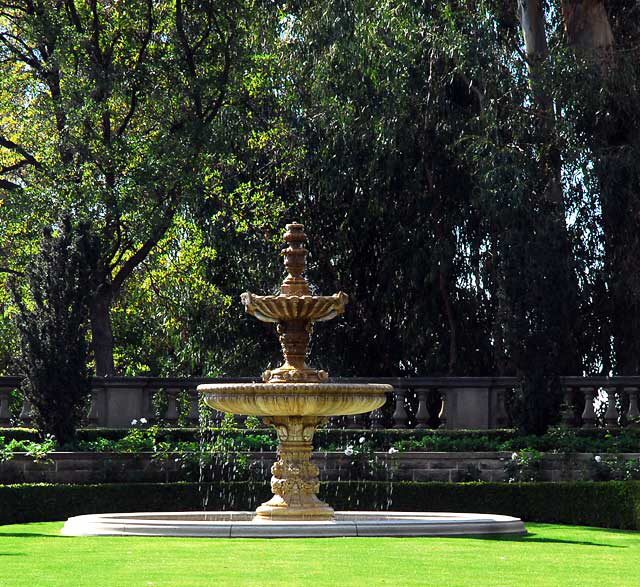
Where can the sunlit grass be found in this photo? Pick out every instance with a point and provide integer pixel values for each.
(35, 555)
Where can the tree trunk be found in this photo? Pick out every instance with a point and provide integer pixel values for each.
(532, 23)
(552, 215)
(586, 24)
(531, 16)
(101, 332)
(613, 140)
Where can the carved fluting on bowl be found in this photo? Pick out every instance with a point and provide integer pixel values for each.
(282, 308)
(295, 399)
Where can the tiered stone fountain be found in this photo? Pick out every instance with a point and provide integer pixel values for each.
(295, 399)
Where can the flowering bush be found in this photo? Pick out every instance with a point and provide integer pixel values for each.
(612, 468)
(523, 466)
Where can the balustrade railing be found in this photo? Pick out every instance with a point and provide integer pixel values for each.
(415, 403)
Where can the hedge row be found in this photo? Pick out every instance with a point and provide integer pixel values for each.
(573, 440)
(613, 504)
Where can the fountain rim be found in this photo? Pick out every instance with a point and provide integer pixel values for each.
(241, 524)
(301, 388)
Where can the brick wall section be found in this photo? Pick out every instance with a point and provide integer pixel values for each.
(408, 466)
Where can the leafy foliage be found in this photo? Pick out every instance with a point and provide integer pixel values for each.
(417, 141)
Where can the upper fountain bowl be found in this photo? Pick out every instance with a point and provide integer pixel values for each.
(285, 307)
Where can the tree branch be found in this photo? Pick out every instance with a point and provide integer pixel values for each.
(70, 5)
(223, 83)
(9, 185)
(12, 271)
(188, 55)
(14, 167)
(9, 144)
(133, 103)
(157, 232)
(30, 61)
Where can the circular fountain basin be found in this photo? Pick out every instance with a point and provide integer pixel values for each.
(242, 525)
(295, 399)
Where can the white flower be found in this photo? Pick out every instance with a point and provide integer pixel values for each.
(134, 422)
(597, 459)
(514, 456)
(348, 451)
(393, 450)
(143, 420)
(361, 440)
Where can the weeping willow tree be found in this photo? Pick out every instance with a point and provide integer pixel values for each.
(603, 41)
(381, 104)
(447, 191)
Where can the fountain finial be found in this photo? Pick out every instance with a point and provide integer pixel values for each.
(295, 261)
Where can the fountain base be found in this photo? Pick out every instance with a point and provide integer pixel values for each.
(244, 525)
(274, 510)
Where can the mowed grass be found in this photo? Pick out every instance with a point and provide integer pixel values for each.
(35, 555)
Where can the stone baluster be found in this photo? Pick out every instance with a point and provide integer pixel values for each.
(193, 416)
(588, 414)
(361, 421)
(331, 422)
(147, 409)
(352, 423)
(377, 419)
(568, 415)
(501, 416)
(5, 413)
(171, 415)
(633, 413)
(442, 415)
(26, 413)
(400, 416)
(611, 415)
(422, 415)
(93, 417)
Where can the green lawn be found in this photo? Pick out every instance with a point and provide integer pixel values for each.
(34, 555)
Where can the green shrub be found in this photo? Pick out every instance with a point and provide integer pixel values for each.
(556, 440)
(51, 320)
(614, 504)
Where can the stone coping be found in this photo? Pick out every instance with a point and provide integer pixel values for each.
(241, 525)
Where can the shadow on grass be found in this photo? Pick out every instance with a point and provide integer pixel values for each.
(30, 535)
(532, 537)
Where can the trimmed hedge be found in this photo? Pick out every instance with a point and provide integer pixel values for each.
(612, 504)
(43, 502)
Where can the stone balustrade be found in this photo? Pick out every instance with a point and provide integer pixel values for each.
(452, 403)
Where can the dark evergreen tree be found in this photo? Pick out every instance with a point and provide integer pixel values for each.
(52, 316)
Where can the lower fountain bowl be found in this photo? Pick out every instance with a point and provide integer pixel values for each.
(243, 525)
(295, 399)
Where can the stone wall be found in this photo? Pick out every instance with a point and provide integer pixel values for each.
(409, 466)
